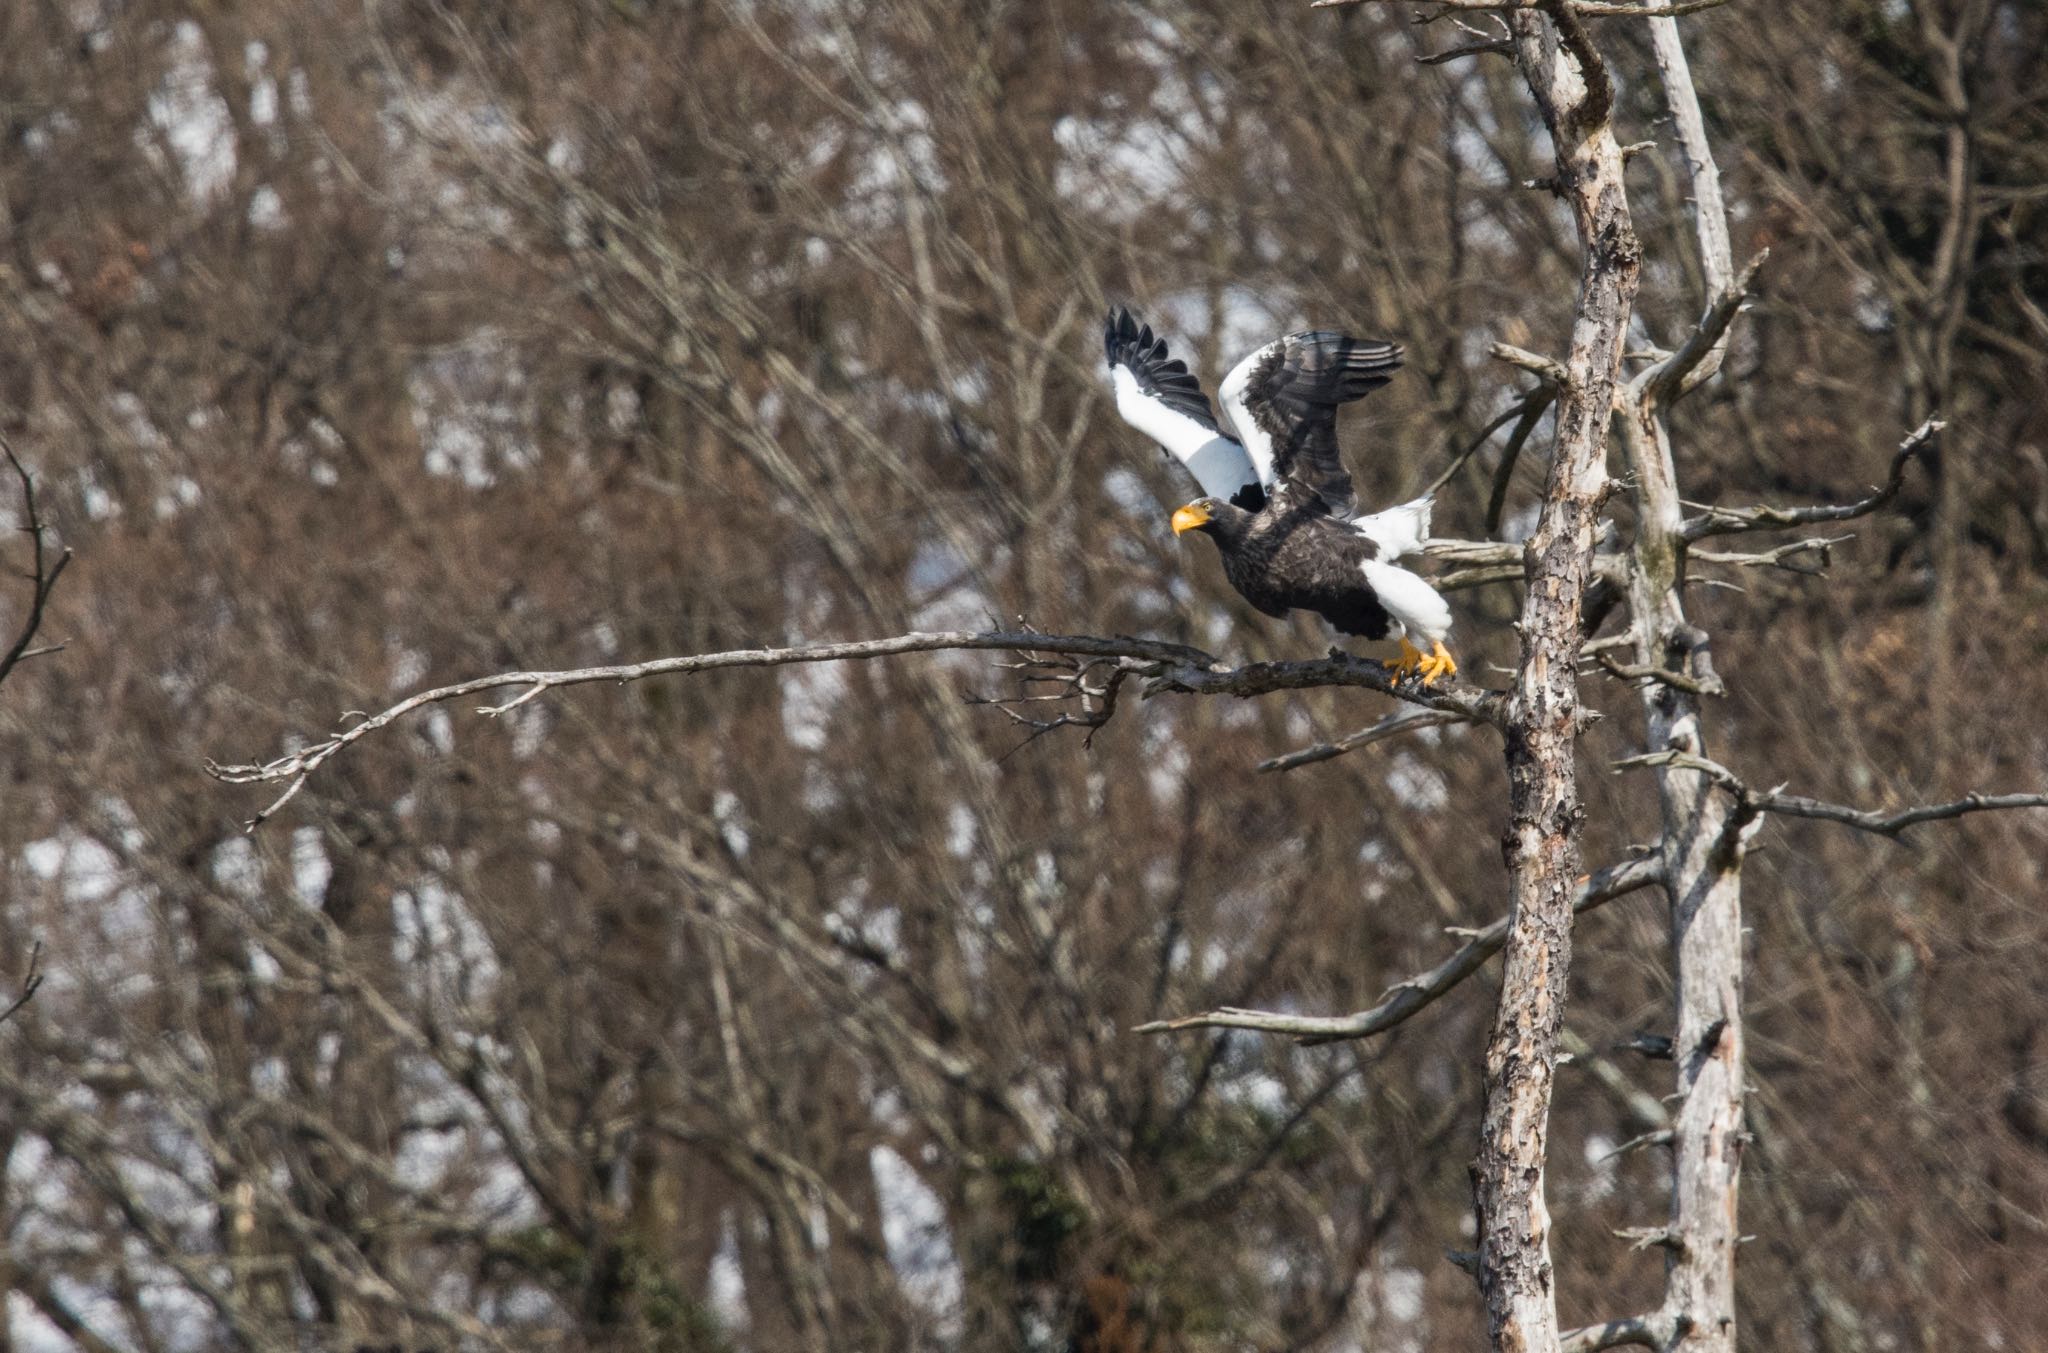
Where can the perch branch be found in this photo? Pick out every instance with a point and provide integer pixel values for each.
(1404, 999)
(1163, 666)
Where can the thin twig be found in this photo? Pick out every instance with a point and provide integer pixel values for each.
(43, 575)
(1551, 371)
(1784, 556)
(1503, 474)
(31, 981)
(1658, 674)
(1489, 47)
(1402, 721)
(1517, 410)
(1688, 367)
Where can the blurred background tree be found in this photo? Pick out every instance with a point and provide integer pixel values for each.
(361, 347)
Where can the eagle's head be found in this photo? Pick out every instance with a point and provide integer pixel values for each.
(1199, 515)
(1223, 522)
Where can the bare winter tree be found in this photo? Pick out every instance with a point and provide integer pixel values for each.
(774, 996)
(1709, 815)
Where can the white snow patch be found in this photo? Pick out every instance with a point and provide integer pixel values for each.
(915, 1235)
(729, 814)
(266, 209)
(727, 1282)
(962, 829)
(191, 117)
(809, 692)
(1417, 785)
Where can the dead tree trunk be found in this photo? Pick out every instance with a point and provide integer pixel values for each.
(1542, 846)
(1704, 836)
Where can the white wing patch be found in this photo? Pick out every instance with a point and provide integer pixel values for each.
(1217, 463)
(1231, 393)
(1398, 530)
(1414, 605)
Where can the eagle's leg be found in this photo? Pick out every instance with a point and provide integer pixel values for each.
(1412, 659)
(1437, 665)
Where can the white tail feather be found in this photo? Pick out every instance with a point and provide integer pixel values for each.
(1416, 607)
(1398, 530)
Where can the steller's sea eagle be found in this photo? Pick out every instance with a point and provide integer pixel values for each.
(1279, 503)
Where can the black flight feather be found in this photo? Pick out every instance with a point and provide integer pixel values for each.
(1134, 347)
(1294, 394)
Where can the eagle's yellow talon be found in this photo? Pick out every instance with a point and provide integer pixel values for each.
(1412, 660)
(1437, 665)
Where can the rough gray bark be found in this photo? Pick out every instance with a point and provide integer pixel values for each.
(1565, 74)
(1704, 836)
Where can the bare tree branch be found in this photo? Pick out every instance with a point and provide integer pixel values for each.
(43, 575)
(1796, 805)
(1548, 369)
(1658, 1330)
(1164, 666)
(1662, 675)
(1486, 47)
(1519, 412)
(31, 979)
(1699, 356)
(1504, 473)
(1716, 521)
(1405, 998)
(1402, 721)
(1592, 9)
(1783, 556)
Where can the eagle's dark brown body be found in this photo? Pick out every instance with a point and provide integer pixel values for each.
(1295, 555)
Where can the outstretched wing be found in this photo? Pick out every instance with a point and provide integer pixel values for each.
(1284, 397)
(1161, 398)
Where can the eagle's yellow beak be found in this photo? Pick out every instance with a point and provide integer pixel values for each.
(1189, 517)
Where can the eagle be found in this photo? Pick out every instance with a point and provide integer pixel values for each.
(1277, 500)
